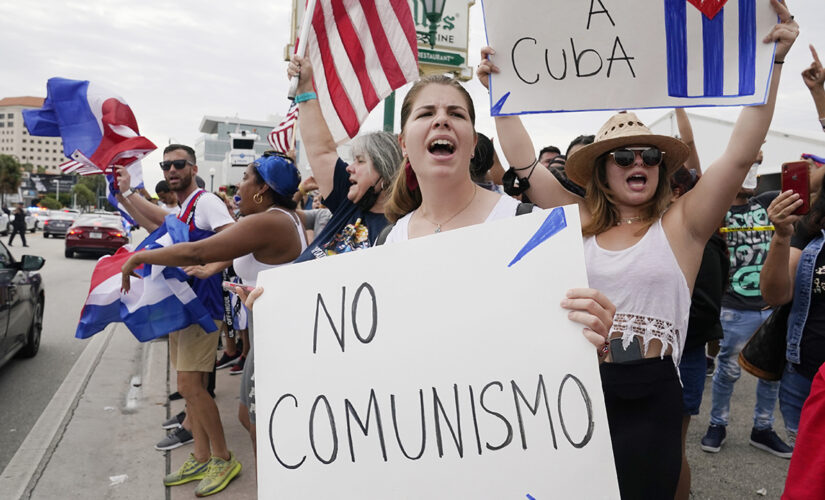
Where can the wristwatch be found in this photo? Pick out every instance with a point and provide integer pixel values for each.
(129, 192)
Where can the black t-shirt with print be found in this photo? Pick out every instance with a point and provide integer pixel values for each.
(748, 250)
(812, 346)
(350, 228)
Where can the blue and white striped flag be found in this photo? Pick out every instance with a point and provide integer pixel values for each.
(699, 45)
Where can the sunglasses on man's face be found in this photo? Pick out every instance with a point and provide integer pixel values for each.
(625, 157)
(178, 164)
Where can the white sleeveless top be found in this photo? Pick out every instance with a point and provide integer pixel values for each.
(504, 208)
(647, 287)
(247, 266)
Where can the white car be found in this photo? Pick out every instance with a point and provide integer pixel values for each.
(5, 227)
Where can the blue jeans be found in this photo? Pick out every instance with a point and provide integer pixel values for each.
(738, 326)
(693, 370)
(793, 392)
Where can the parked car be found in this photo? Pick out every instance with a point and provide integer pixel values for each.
(5, 227)
(95, 233)
(21, 313)
(5, 220)
(57, 223)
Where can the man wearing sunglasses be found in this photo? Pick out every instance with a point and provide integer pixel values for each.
(192, 350)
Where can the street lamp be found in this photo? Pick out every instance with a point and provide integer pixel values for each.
(433, 10)
(212, 180)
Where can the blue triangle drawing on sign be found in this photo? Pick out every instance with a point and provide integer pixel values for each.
(500, 104)
(554, 223)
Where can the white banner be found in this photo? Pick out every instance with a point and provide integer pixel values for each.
(442, 367)
(558, 55)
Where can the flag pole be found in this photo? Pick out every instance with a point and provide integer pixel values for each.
(300, 48)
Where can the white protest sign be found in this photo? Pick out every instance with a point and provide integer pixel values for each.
(401, 372)
(558, 55)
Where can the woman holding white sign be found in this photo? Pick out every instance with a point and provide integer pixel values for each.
(633, 237)
(434, 192)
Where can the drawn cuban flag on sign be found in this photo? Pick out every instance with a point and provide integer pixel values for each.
(701, 36)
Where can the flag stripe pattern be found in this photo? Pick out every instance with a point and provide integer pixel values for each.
(697, 49)
(281, 136)
(159, 303)
(361, 50)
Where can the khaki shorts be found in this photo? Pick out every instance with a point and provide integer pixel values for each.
(192, 349)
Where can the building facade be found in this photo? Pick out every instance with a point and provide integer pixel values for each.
(45, 154)
(212, 148)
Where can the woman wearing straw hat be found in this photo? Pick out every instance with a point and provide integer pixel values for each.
(645, 259)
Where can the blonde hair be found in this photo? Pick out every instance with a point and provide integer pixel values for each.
(402, 200)
(599, 200)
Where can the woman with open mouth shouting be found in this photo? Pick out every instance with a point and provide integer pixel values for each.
(645, 257)
(355, 193)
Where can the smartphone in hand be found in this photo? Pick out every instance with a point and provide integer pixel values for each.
(233, 287)
(795, 178)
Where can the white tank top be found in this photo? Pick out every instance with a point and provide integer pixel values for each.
(247, 266)
(647, 287)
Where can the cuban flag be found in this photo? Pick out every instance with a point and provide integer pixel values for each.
(159, 303)
(136, 176)
(98, 128)
(701, 36)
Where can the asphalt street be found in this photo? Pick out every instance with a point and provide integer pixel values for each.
(27, 385)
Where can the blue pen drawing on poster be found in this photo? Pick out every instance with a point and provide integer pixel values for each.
(714, 45)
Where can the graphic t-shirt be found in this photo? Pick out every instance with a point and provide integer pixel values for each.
(812, 345)
(350, 228)
(748, 250)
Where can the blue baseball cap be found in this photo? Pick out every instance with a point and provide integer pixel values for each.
(278, 172)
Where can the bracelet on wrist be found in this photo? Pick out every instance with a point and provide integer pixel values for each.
(129, 192)
(777, 61)
(306, 96)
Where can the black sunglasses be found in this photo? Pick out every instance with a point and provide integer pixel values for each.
(651, 156)
(272, 152)
(178, 164)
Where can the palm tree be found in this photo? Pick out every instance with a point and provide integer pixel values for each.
(11, 175)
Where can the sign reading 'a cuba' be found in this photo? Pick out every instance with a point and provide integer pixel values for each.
(622, 54)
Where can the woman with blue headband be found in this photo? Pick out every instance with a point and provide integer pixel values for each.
(269, 234)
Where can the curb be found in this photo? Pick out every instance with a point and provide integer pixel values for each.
(24, 470)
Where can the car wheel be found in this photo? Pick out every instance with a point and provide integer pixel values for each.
(35, 331)
(68, 253)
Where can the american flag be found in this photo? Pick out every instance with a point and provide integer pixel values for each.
(360, 51)
(281, 136)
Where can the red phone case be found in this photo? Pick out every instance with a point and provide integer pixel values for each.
(795, 178)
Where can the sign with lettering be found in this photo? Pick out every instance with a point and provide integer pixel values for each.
(628, 54)
(441, 367)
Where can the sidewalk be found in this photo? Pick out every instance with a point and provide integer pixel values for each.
(96, 439)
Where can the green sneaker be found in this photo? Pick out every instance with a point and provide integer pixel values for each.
(191, 470)
(218, 475)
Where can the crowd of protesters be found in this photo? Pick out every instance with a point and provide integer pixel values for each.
(651, 216)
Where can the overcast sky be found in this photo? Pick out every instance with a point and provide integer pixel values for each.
(175, 62)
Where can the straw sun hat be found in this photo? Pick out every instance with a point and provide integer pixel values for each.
(621, 130)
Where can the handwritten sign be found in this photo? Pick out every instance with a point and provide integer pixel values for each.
(627, 54)
(442, 367)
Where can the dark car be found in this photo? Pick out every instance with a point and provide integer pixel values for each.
(21, 312)
(57, 223)
(96, 233)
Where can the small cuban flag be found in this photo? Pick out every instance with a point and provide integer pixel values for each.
(701, 37)
(98, 128)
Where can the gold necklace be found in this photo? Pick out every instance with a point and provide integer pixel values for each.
(437, 225)
(629, 220)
